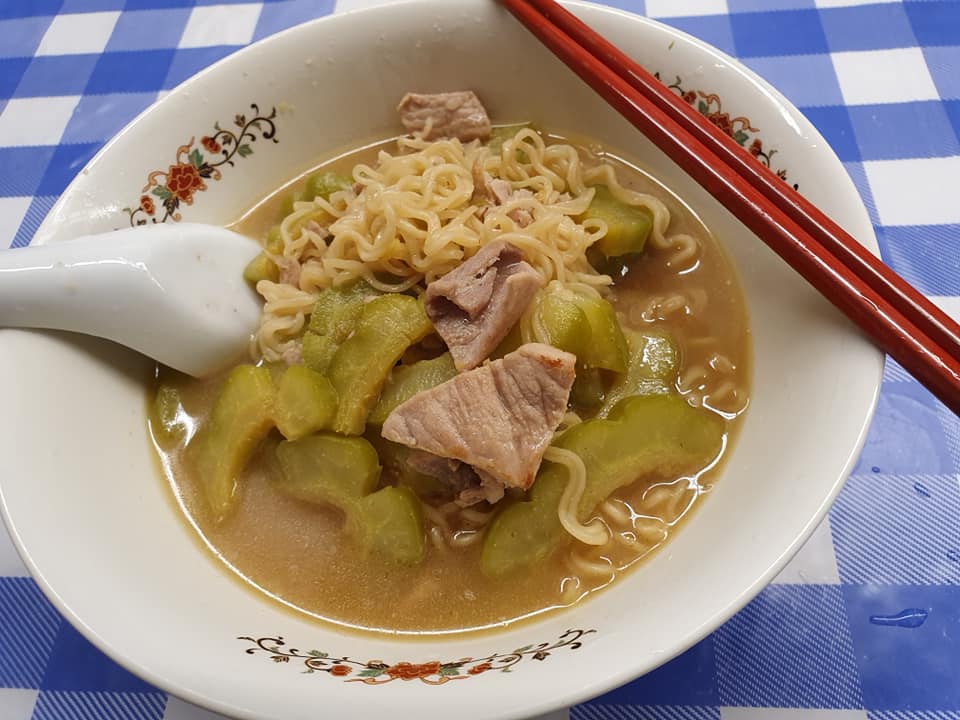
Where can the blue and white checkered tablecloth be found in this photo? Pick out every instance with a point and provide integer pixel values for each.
(865, 623)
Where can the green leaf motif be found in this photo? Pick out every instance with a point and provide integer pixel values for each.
(521, 650)
(448, 671)
(161, 192)
(317, 653)
(196, 159)
(741, 137)
(703, 107)
(244, 150)
(371, 672)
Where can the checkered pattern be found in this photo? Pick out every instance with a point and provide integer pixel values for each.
(881, 80)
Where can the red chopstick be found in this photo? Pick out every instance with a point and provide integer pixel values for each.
(892, 313)
(915, 307)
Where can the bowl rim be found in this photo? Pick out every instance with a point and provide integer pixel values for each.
(561, 697)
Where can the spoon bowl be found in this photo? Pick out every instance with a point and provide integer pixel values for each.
(174, 292)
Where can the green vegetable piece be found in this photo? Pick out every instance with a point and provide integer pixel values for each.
(586, 327)
(287, 204)
(328, 469)
(628, 226)
(319, 214)
(242, 416)
(566, 324)
(390, 524)
(277, 369)
(343, 472)
(316, 351)
(657, 434)
(167, 417)
(317, 185)
(607, 348)
(388, 325)
(393, 456)
(502, 133)
(274, 241)
(589, 389)
(324, 184)
(333, 318)
(407, 380)
(653, 366)
(261, 268)
(306, 402)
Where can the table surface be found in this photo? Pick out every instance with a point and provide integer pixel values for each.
(865, 622)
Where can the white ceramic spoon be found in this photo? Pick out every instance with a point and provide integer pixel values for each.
(174, 292)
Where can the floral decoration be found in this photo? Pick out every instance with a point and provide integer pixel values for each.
(167, 190)
(434, 672)
(739, 128)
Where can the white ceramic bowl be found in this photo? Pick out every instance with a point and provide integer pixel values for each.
(85, 503)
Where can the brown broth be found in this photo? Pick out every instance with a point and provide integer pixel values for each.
(296, 552)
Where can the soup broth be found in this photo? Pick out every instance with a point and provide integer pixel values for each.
(297, 552)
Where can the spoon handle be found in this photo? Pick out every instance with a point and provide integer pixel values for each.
(175, 293)
(77, 285)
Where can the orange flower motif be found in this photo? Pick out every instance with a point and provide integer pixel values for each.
(183, 180)
(146, 204)
(722, 121)
(481, 668)
(756, 147)
(210, 144)
(689, 96)
(340, 670)
(410, 671)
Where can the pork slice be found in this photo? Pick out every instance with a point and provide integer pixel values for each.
(521, 216)
(465, 485)
(500, 192)
(487, 488)
(480, 179)
(498, 418)
(458, 115)
(457, 475)
(289, 270)
(317, 229)
(293, 353)
(475, 305)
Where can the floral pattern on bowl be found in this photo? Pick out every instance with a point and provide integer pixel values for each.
(182, 180)
(739, 128)
(433, 672)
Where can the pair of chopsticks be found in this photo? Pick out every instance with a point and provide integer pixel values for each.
(899, 320)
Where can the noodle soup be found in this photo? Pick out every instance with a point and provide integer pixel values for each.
(680, 294)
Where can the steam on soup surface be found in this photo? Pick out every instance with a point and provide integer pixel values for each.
(491, 375)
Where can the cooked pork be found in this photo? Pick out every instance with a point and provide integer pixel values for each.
(474, 306)
(500, 192)
(498, 418)
(445, 115)
(464, 484)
